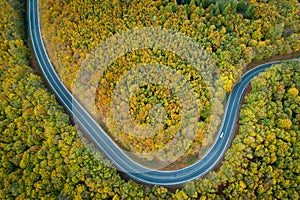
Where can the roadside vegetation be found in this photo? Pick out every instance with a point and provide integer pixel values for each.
(234, 33)
(42, 157)
(263, 160)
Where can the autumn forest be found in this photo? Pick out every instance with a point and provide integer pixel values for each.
(42, 155)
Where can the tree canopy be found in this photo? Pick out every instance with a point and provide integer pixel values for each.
(42, 156)
(234, 33)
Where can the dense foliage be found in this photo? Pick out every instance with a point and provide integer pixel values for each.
(263, 161)
(41, 155)
(145, 98)
(233, 32)
(43, 158)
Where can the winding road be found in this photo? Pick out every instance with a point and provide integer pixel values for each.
(103, 142)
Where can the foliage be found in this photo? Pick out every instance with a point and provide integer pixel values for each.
(268, 141)
(263, 160)
(43, 158)
(233, 32)
(146, 97)
(41, 154)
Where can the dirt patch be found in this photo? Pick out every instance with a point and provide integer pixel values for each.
(273, 59)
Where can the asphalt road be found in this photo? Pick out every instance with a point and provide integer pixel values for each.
(103, 142)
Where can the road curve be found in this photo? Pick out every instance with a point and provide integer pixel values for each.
(107, 145)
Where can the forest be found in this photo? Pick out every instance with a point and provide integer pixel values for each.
(234, 33)
(42, 156)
